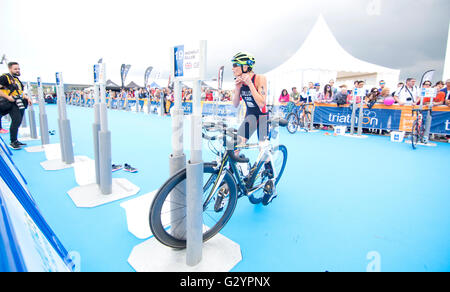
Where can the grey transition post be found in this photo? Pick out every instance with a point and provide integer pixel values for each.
(177, 162)
(194, 218)
(194, 169)
(96, 124)
(31, 115)
(104, 140)
(43, 120)
(64, 123)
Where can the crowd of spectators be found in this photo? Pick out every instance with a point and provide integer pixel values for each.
(407, 93)
(155, 94)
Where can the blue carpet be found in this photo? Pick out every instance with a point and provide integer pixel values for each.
(340, 200)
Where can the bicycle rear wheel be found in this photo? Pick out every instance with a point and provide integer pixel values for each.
(167, 217)
(261, 175)
(292, 123)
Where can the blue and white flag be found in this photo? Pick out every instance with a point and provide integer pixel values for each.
(147, 75)
(124, 69)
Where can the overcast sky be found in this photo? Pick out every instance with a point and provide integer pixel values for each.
(46, 36)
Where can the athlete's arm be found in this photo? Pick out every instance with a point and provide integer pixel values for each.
(237, 92)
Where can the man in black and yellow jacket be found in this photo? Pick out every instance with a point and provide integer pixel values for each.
(13, 102)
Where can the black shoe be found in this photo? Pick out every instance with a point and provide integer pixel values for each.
(224, 192)
(15, 146)
(269, 170)
(21, 144)
(269, 193)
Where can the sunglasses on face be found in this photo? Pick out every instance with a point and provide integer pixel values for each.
(235, 65)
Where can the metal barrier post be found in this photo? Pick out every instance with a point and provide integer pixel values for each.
(361, 116)
(433, 93)
(352, 125)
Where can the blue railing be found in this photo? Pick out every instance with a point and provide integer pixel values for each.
(10, 247)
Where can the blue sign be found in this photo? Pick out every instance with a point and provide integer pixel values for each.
(178, 61)
(39, 82)
(58, 79)
(96, 73)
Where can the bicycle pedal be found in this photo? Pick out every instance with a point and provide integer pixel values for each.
(270, 192)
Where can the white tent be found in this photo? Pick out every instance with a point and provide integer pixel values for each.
(447, 59)
(320, 59)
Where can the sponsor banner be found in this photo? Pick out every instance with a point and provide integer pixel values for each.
(440, 123)
(407, 120)
(394, 118)
(374, 118)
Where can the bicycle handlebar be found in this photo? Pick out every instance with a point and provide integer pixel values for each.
(222, 127)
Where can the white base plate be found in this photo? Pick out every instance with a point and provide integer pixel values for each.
(58, 164)
(90, 196)
(429, 144)
(137, 211)
(24, 135)
(35, 149)
(355, 136)
(53, 151)
(220, 254)
(85, 172)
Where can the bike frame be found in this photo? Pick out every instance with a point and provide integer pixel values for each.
(421, 121)
(245, 189)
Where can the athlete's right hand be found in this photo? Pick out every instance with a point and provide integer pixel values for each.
(238, 82)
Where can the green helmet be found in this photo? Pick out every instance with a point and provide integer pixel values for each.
(244, 59)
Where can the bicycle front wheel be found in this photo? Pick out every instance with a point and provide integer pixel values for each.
(168, 211)
(262, 174)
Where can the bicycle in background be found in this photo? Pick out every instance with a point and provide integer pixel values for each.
(299, 118)
(419, 126)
